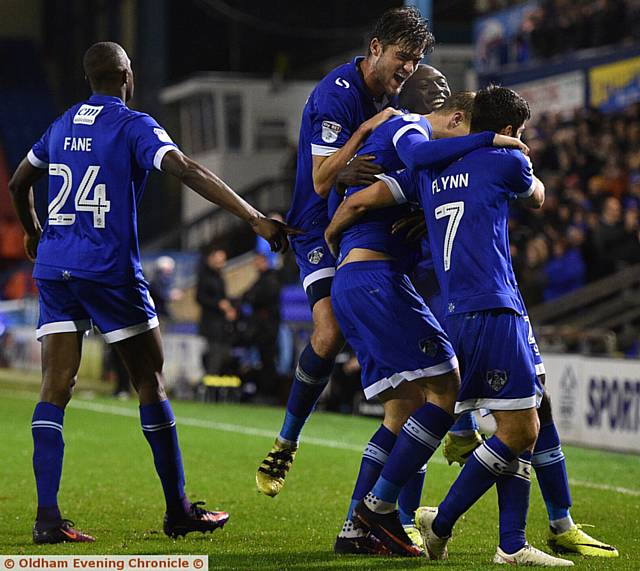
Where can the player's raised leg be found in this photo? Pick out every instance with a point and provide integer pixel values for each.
(61, 354)
(311, 377)
(143, 357)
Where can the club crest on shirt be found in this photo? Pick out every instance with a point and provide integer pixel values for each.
(315, 255)
(429, 347)
(330, 131)
(496, 379)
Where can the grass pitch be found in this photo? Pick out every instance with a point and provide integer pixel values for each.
(109, 489)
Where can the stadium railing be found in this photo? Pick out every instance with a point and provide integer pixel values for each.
(268, 195)
(593, 318)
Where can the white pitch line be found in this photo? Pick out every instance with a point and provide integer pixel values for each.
(251, 431)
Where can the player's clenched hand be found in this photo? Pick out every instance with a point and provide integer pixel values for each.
(510, 143)
(274, 232)
(31, 246)
(379, 118)
(360, 171)
(414, 226)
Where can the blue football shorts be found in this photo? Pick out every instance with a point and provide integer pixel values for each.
(393, 333)
(317, 265)
(497, 363)
(118, 312)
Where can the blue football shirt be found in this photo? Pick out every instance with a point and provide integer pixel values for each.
(402, 140)
(373, 230)
(337, 106)
(466, 206)
(98, 155)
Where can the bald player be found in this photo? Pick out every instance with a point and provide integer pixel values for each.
(98, 155)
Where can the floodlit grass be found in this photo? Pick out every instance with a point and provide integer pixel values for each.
(109, 488)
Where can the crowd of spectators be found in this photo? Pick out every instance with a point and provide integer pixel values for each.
(589, 225)
(549, 28)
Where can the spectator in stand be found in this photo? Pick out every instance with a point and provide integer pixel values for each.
(557, 27)
(609, 237)
(591, 167)
(161, 287)
(217, 315)
(531, 275)
(264, 323)
(564, 272)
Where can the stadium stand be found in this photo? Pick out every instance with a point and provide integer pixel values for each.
(526, 31)
(588, 227)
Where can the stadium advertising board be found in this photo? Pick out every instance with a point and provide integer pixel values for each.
(562, 93)
(616, 85)
(596, 402)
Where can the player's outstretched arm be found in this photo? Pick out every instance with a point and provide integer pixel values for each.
(418, 152)
(20, 187)
(214, 189)
(353, 208)
(326, 169)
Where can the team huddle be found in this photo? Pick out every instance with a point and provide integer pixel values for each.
(399, 225)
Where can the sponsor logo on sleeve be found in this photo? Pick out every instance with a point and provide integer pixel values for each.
(330, 131)
(87, 114)
(342, 83)
(162, 135)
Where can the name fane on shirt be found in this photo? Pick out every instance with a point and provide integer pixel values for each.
(450, 182)
(77, 144)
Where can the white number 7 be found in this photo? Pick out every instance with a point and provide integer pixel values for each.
(455, 212)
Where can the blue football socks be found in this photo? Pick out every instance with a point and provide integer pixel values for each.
(416, 443)
(311, 377)
(159, 428)
(466, 425)
(551, 471)
(479, 473)
(514, 487)
(48, 451)
(410, 495)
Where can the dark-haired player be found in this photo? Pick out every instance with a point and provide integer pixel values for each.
(98, 155)
(343, 109)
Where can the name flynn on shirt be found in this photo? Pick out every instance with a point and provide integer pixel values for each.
(450, 182)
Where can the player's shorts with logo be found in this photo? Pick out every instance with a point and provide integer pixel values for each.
(388, 325)
(497, 363)
(119, 312)
(317, 265)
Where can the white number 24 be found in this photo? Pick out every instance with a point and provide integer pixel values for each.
(98, 205)
(454, 211)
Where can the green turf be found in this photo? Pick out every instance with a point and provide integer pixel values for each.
(109, 488)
